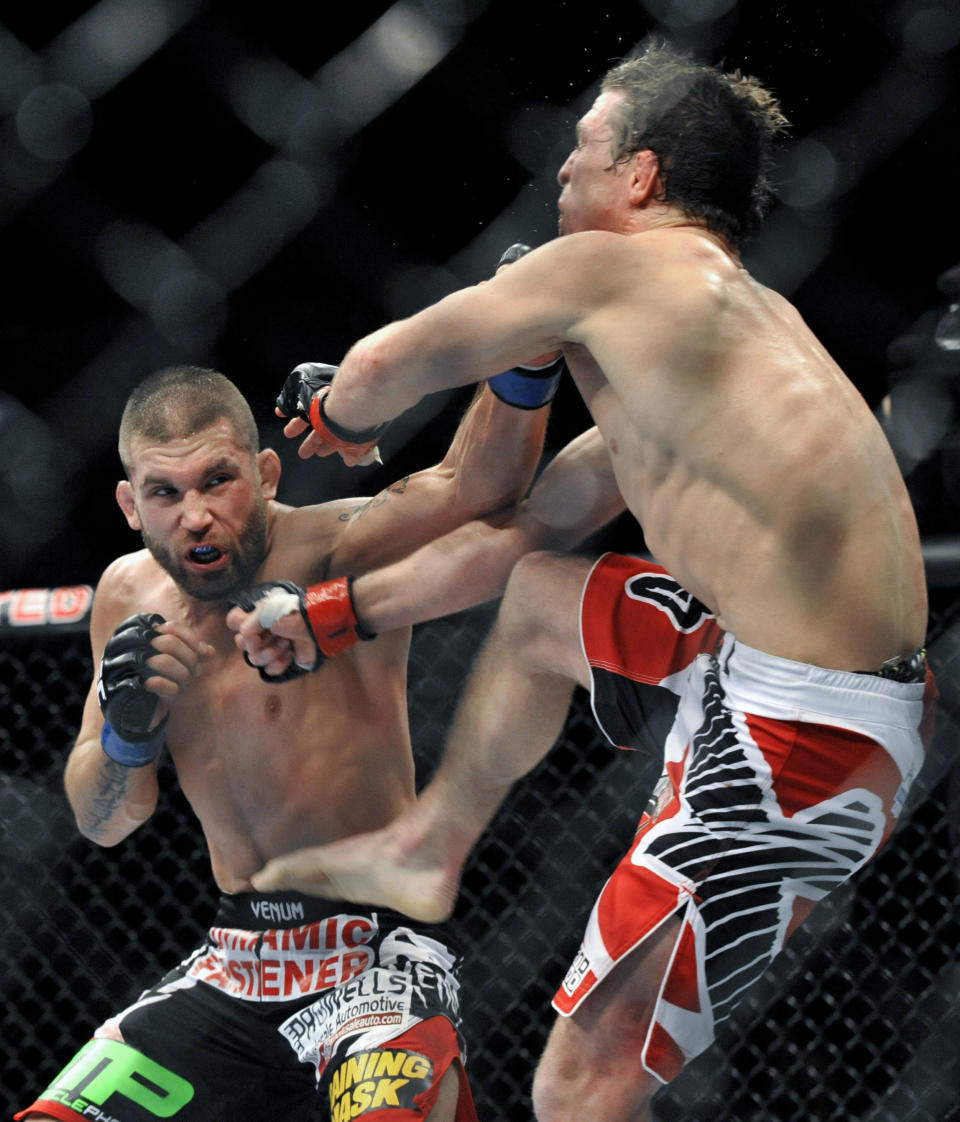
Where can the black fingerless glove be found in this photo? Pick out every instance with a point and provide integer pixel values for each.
(303, 383)
(296, 399)
(127, 705)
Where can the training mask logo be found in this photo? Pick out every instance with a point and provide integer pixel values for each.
(376, 1081)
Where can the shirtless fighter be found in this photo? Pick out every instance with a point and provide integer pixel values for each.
(774, 653)
(286, 989)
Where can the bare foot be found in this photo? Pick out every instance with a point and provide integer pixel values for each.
(397, 867)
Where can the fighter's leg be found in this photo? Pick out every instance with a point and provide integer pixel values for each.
(445, 1108)
(512, 711)
(591, 1066)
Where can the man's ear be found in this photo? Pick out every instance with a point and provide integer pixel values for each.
(268, 464)
(127, 505)
(646, 182)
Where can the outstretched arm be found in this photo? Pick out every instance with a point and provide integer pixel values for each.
(487, 469)
(527, 309)
(575, 496)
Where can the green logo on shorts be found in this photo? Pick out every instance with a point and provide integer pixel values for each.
(107, 1067)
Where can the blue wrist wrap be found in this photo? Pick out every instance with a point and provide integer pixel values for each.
(528, 387)
(137, 753)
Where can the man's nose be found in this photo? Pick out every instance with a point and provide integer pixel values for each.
(563, 175)
(195, 512)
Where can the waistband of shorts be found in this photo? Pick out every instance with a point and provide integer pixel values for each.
(268, 911)
(913, 668)
(264, 911)
(769, 685)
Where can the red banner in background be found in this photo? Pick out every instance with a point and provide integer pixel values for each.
(64, 608)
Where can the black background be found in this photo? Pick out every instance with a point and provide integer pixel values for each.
(407, 194)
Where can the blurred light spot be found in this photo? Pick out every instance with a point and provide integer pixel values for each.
(408, 43)
(111, 40)
(949, 281)
(932, 29)
(811, 174)
(793, 245)
(245, 233)
(269, 97)
(54, 122)
(122, 33)
(132, 258)
(382, 64)
(189, 309)
(921, 414)
(947, 333)
(453, 13)
(687, 13)
(20, 71)
(34, 468)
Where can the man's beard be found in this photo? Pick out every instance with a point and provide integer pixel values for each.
(246, 557)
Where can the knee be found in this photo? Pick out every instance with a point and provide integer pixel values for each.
(535, 603)
(550, 1102)
(560, 1077)
(521, 599)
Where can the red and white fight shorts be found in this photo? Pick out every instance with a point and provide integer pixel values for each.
(781, 779)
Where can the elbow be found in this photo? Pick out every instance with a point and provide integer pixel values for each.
(107, 827)
(108, 834)
(103, 834)
(369, 360)
(373, 363)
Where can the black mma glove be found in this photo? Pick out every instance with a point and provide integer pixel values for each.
(526, 386)
(127, 705)
(301, 386)
(326, 608)
(302, 396)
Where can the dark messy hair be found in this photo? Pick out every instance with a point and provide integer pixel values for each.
(181, 400)
(713, 133)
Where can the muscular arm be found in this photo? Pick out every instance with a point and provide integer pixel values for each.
(109, 801)
(527, 309)
(574, 497)
(487, 470)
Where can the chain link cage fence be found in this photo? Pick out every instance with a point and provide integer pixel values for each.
(859, 1018)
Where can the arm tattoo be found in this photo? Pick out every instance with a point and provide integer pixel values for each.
(397, 488)
(108, 798)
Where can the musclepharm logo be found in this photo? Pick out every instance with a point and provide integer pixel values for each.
(104, 1068)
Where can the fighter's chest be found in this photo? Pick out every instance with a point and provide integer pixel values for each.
(228, 699)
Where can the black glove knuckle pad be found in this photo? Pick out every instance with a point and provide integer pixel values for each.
(247, 600)
(127, 705)
(302, 384)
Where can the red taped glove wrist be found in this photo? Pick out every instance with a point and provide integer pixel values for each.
(336, 435)
(332, 616)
